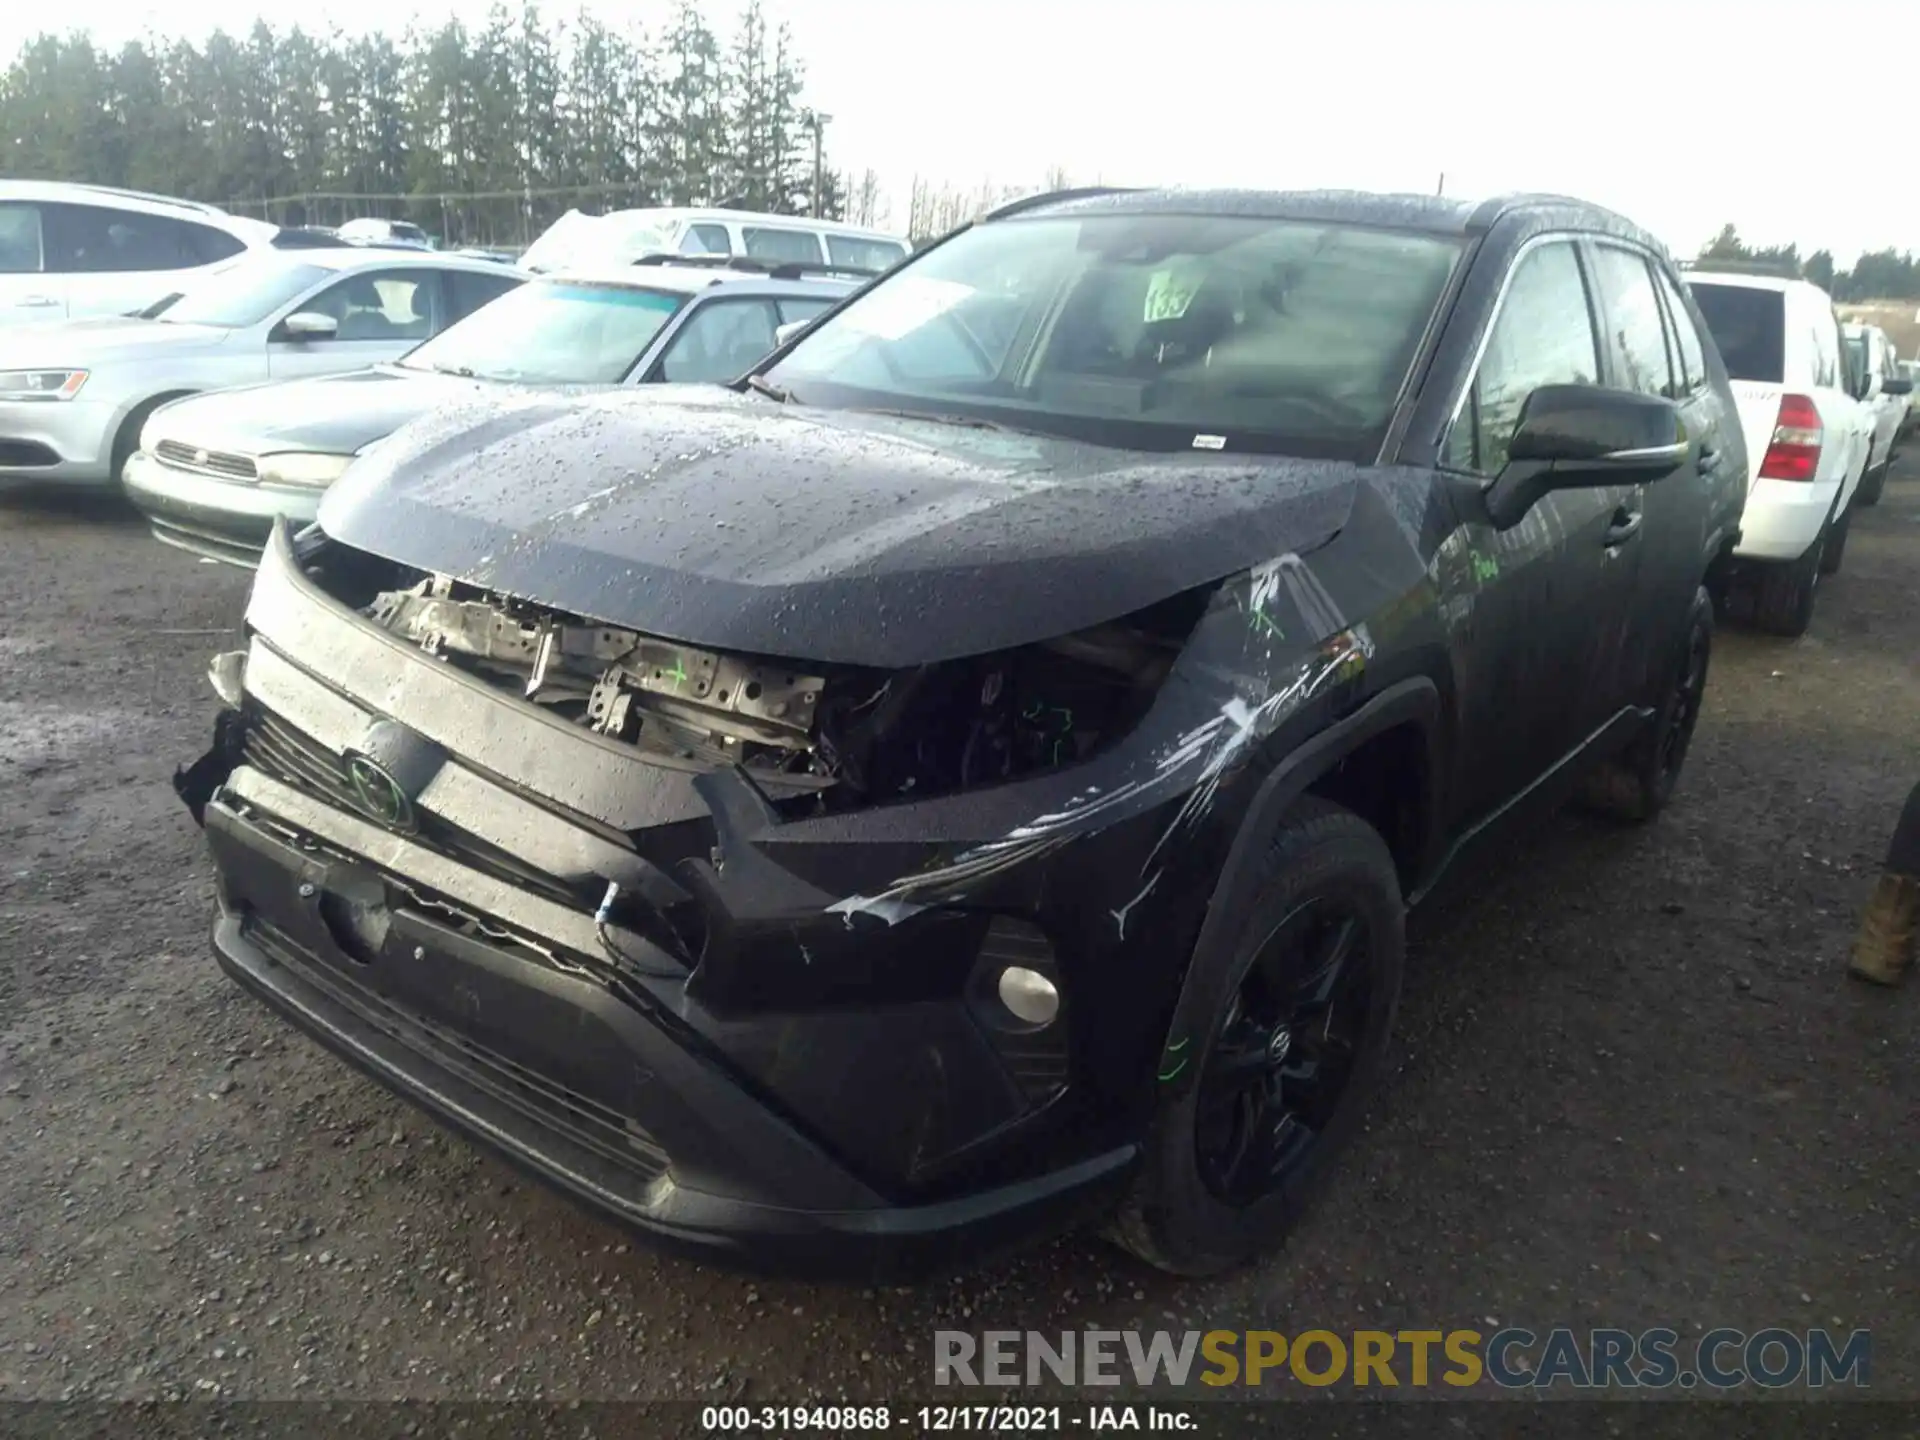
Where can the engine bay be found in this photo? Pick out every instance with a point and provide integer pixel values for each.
(860, 736)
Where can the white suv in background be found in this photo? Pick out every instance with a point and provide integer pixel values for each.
(1887, 390)
(69, 252)
(1807, 434)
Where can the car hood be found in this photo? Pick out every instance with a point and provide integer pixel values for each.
(737, 523)
(331, 414)
(87, 342)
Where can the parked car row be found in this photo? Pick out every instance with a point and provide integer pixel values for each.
(845, 772)
(1819, 404)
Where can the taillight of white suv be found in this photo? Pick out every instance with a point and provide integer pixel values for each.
(1794, 453)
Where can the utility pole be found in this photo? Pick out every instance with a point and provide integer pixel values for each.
(1441, 188)
(817, 123)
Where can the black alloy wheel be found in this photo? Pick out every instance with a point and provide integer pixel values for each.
(1284, 1053)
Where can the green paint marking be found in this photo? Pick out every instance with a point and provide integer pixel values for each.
(1260, 620)
(678, 674)
(1176, 1049)
(1168, 1075)
(1485, 567)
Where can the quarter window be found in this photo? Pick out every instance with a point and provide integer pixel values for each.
(1635, 336)
(706, 240)
(1543, 335)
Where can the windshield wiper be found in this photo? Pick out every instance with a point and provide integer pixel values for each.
(967, 421)
(761, 385)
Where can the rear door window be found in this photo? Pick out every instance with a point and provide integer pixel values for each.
(860, 254)
(92, 240)
(1690, 359)
(792, 310)
(1749, 325)
(720, 341)
(19, 239)
(468, 291)
(765, 242)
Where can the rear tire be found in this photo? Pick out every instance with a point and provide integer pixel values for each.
(1872, 484)
(1783, 594)
(1289, 1026)
(1636, 785)
(1836, 546)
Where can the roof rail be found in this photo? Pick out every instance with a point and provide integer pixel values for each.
(200, 206)
(1055, 197)
(1776, 269)
(754, 265)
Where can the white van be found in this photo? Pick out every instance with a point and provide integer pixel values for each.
(626, 235)
(1807, 432)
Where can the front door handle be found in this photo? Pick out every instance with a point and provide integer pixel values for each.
(1710, 459)
(36, 300)
(1626, 524)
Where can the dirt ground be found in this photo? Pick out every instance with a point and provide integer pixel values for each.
(1631, 1086)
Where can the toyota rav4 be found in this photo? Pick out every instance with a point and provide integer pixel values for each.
(967, 777)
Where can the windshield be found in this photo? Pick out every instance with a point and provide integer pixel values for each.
(1748, 325)
(1144, 331)
(552, 332)
(243, 296)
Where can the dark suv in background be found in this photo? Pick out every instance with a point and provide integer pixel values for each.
(971, 775)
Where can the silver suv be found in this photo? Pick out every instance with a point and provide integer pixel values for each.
(68, 252)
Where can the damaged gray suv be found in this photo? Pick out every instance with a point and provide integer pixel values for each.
(967, 778)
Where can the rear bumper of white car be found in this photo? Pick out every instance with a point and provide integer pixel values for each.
(227, 520)
(1783, 518)
(56, 442)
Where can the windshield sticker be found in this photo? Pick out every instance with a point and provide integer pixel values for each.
(1169, 293)
(1209, 442)
(905, 305)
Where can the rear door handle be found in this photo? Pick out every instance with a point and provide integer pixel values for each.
(1626, 524)
(1710, 459)
(36, 300)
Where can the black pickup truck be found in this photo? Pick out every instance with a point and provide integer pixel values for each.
(967, 777)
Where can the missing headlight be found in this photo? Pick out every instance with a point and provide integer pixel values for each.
(978, 721)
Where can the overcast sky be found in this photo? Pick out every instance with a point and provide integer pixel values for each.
(1657, 111)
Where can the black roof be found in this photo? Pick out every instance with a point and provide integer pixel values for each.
(1438, 214)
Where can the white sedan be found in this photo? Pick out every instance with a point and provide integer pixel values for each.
(73, 396)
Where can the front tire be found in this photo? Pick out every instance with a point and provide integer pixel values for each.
(1269, 1084)
(1636, 786)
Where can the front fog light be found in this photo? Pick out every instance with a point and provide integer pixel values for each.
(1028, 995)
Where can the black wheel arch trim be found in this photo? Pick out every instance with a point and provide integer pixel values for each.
(1413, 701)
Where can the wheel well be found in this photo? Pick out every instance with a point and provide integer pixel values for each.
(127, 439)
(1384, 781)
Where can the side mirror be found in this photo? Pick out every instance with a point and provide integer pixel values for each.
(783, 333)
(1897, 385)
(310, 325)
(1584, 437)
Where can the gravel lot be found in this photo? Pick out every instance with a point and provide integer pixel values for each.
(1632, 1085)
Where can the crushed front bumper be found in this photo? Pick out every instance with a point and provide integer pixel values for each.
(821, 1069)
(582, 1087)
